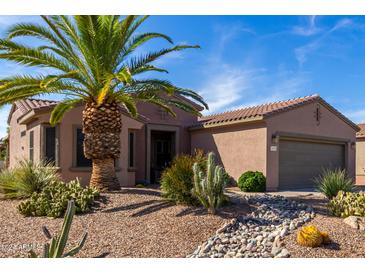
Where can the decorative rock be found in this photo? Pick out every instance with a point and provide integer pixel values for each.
(284, 232)
(352, 221)
(284, 253)
(259, 234)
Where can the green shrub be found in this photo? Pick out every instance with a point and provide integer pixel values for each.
(209, 184)
(252, 181)
(26, 179)
(330, 182)
(52, 200)
(348, 204)
(177, 180)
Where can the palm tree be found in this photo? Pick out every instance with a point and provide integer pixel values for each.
(92, 61)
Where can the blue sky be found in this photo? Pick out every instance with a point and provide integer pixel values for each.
(248, 60)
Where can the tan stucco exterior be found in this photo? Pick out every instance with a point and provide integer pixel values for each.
(248, 146)
(151, 119)
(301, 122)
(360, 161)
(240, 145)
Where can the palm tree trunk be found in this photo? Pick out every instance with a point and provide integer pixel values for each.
(102, 126)
(103, 175)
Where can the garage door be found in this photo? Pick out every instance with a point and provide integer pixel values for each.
(300, 162)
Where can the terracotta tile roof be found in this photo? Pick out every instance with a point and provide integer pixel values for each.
(28, 105)
(34, 104)
(361, 133)
(263, 111)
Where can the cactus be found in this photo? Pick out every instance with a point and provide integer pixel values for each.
(348, 204)
(57, 245)
(311, 236)
(209, 187)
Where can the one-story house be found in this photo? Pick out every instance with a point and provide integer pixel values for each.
(360, 155)
(289, 141)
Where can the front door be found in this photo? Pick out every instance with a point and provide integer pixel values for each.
(162, 152)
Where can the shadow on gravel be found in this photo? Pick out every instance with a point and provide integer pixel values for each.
(331, 246)
(153, 208)
(130, 206)
(141, 191)
(102, 255)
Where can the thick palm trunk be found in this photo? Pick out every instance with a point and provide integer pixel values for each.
(103, 176)
(102, 126)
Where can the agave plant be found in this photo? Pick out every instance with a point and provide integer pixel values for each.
(330, 182)
(92, 61)
(57, 245)
(27, 178)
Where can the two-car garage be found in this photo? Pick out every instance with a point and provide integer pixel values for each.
(301, 161)
(291, 142)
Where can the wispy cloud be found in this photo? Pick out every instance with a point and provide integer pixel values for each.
(303, 52)
(229, 32)
(308, 30)
(357, 116)
(227, 86)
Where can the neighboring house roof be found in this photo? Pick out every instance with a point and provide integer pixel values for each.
(263, 111)
(361, 133)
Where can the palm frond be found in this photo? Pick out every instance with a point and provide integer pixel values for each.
(61, 108)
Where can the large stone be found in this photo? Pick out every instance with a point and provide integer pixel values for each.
(352, 221)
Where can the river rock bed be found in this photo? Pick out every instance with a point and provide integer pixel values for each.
(259, 234)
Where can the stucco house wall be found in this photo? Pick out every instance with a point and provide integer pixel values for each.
(238, 147)
(360, 161)
(302, 121)
(18, 142)
(151, 118)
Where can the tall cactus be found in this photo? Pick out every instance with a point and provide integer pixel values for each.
(57, 245)
(209, 187)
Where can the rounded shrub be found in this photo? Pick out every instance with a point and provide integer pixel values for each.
(252, 181)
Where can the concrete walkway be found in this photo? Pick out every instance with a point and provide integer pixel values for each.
(235, 191)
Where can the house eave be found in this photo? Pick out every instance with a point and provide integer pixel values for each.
(227, 123)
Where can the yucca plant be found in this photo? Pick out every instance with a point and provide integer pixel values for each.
(209, 185)
(27, 178)
(330, 182)
(57, 245)
(92, 60)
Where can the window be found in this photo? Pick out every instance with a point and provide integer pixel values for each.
(50, 144)
(81, 160)
(23, 133)
(31, 145)
(131, 149)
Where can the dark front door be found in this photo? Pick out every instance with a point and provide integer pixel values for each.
(162, 152)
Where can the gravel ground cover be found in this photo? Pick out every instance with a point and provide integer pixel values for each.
(260, 233)
(131, 223)
(346, 241)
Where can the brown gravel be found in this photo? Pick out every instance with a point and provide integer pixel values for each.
(346, 241)
(132, 223)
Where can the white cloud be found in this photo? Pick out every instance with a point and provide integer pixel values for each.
(303, 52)
(357, 116)
(226, 85)
(309, 30)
